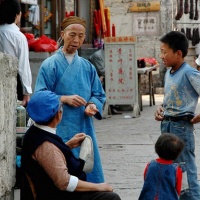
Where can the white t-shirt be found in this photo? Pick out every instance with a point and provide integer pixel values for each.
(14, 43)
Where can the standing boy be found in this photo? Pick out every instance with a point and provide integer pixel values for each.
(181, 93)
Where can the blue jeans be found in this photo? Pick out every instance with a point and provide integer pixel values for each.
(185, 131)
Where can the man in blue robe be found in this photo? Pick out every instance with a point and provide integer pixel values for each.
(76, 81)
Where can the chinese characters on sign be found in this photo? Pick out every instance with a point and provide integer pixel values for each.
(120, 39)
(145, 25)
(144, 6)
(121, 73)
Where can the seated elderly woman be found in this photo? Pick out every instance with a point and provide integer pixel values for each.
(49, 163)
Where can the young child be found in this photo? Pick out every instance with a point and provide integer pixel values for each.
(163, 178)
(177, 114)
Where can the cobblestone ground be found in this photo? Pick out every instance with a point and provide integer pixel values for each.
(127, 144)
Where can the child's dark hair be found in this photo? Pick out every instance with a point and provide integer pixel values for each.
(176, 41)
(169, 146)
(9, 9)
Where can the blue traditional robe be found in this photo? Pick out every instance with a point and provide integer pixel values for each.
(78, 78)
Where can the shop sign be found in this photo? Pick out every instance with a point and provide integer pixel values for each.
(146, 25)
(120, 39)
(144, 6)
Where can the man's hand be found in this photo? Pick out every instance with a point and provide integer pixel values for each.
(84, 186)
(104, 187)
(26, 99)
(91, 110)
(73, 100)
(159, 113)
(101, 78)
(195, 119)
(76, 140)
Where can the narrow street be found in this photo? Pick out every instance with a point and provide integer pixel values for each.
(127, 144)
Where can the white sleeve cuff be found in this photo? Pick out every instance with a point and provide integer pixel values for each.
(73, 182)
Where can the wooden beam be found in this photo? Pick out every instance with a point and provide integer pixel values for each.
(53, 20)
(59, 17)
(62, 9)
(76, 8)
(41, 4)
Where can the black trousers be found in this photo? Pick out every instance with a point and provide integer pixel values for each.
(19, 89)
(100, 196)
(26, 193)
(83, 196)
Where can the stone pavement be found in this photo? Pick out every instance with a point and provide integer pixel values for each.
(127, 144)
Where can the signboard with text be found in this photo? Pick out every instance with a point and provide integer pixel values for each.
(120, 39)
(121, 74)
(144, 6)
(145, 25)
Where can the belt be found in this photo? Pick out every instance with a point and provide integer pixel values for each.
(175, 119)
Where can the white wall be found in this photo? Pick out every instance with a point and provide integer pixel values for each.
(8, 104)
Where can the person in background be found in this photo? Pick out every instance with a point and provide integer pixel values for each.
(76, 81)
(49, 163)
(98, 60)
(14, 43)
(177, 113)
(167, 183)
(197, 61)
